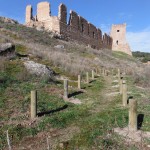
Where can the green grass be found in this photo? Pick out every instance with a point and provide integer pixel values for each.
(122, 55)
(95, 117)
(21, 49)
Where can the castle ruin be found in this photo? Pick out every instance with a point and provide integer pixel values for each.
(118, 33)
(77, 28)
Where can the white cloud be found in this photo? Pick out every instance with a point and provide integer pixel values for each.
(139, 41)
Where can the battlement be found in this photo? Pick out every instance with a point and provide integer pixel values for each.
(77, 28)
(119, 25)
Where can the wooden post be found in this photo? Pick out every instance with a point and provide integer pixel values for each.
(118, 75)
(107, 73)
(33, 104)
(92, 74)
(66, 88)
(87, 77)
(99, 71)
(8, 140)
(121, 85)
(124, 93)
(79, 82)
(112, 72)
(133, 115)
(96, 71)
(103, 71)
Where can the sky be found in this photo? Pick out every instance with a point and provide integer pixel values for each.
(101, 13)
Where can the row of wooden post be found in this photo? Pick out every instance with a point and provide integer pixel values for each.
(132, 103)
(34, 93)
(123, 91)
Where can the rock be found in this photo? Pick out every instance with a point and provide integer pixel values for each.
(38, 69)
(59, 46)
(7, 49)
(96, 59)
(8, 20)
(39, 28)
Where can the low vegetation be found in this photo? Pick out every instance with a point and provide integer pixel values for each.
(62, 124)
(143, 56)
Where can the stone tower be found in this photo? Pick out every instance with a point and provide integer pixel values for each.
(43, 11)
(28, 13)
(118, 34)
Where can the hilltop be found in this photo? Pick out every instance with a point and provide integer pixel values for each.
(62, 124)
(143, 56)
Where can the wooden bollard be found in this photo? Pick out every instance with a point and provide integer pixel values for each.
(87, 77)
(103, 71)
(92, 74)
(33, 104)
(65, 88)
(79, 82)
(106, 72)
(120, 85)
(96, 71)
(112, 72)
(124, 93)
(132, 115)
(118, 75)
(99, 71)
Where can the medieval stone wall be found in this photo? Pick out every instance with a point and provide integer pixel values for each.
(43, 11)
(28, 13)
(77, 28)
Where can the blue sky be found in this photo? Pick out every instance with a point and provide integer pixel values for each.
(102, 13)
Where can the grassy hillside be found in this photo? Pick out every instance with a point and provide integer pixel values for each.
(64, 125)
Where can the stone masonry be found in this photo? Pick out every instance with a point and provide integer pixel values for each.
(77, 28)
(118, 33)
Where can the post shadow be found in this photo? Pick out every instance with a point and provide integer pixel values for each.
(130, 97)
(74, 94)
(96, 76)
(40, 114)
(140, 119)
(92, 81)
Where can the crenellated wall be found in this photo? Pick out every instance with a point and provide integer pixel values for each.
(78, 28)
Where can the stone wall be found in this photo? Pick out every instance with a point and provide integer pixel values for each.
(78, 28)
(43, 11)
(118, 33)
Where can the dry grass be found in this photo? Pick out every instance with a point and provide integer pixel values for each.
(96, 117)
(141, 77)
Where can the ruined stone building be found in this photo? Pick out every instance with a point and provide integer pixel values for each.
(77, 28)
(118, 33)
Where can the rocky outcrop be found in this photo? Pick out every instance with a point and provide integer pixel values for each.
(8, 20)
(59, 46)
(7, 50)
(38, 69)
